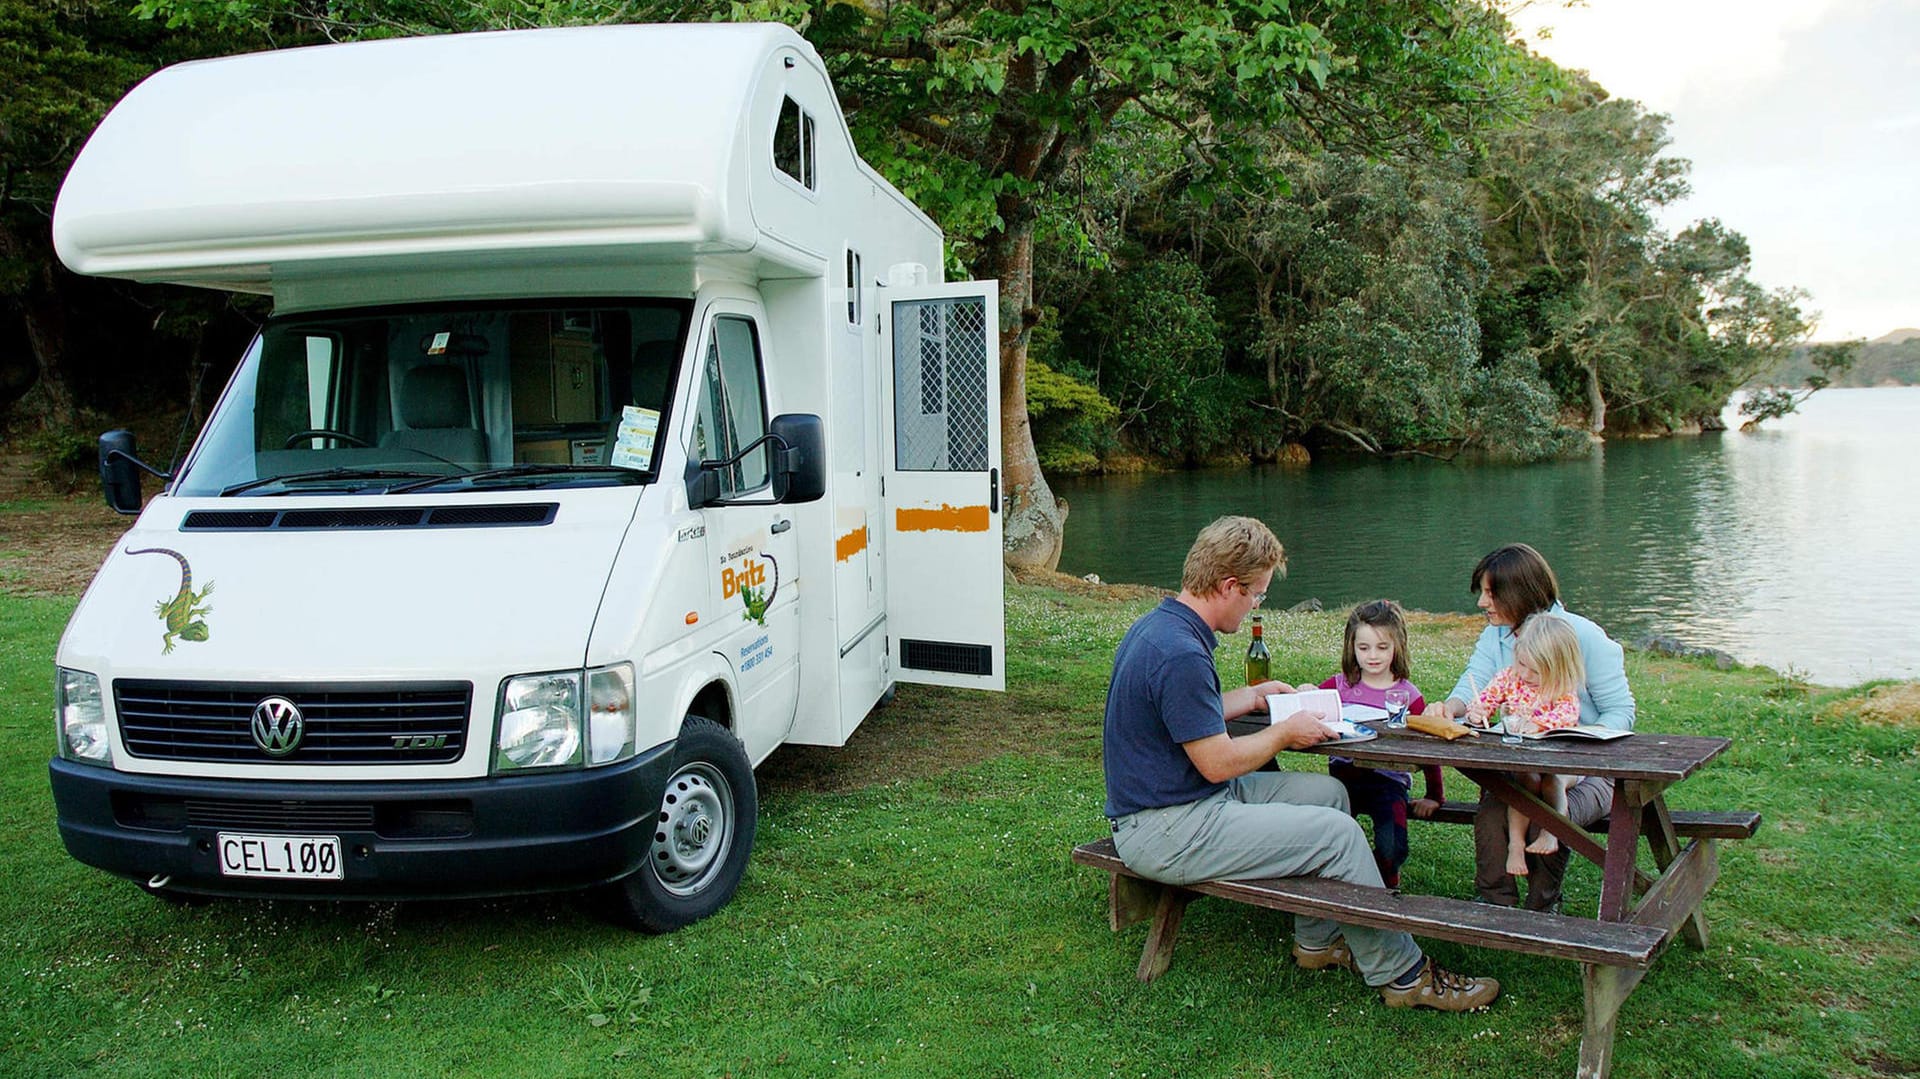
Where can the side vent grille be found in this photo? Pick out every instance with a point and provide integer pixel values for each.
(946, 657)
(513, 514)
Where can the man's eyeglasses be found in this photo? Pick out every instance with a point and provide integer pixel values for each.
(1257, 597)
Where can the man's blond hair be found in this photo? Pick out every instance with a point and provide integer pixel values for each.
(1231, 547)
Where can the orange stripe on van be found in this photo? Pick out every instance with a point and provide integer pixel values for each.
(945, 519)
(850, 544)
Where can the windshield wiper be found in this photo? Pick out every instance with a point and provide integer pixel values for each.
(528, 470)
(333, 474)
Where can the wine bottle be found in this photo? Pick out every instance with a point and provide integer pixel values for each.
(1259, 662)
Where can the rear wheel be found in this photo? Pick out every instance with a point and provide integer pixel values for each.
(702, 835)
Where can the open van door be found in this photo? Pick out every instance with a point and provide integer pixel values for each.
(940, 365)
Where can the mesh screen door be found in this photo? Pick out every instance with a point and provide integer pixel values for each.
(941, 349)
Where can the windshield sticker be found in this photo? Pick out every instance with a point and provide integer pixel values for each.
(185, 612)
(438, 346)
(633, 443)
(756, 582)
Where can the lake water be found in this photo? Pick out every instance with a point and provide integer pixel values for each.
(1796, 546)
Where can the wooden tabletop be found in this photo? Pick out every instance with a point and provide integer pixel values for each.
(1644, 755)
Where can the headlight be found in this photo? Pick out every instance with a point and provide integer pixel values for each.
(539, 722)
(610, 724)
(544, 725)
(82, 718)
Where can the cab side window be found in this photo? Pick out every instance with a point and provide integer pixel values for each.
(731, 410)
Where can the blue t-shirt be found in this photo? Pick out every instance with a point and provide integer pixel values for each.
(1164, 692)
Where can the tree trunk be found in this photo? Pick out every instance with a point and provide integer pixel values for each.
(1596, 401)
(1035, 521)
(49, 402)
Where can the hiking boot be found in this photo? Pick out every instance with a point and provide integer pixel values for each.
(1442, 990)
(1336, 954)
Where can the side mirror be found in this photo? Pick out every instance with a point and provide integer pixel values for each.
(703, 486)
(120, 472)
(799, 470)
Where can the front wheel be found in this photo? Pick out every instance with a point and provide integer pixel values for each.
(702, 834)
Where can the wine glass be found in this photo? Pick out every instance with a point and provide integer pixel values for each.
(1397, 702)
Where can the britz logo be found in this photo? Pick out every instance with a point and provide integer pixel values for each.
(419, 741)
(751, 575)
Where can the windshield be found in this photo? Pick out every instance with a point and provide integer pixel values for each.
(441, 396)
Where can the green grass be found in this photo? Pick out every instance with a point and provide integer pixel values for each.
(917, 915)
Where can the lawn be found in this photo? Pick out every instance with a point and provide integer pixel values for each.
(910, 910)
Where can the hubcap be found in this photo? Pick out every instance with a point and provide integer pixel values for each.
(694, 830)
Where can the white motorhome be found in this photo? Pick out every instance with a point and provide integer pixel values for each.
(611, 430)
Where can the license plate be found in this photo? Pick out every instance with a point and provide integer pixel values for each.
(289, 857)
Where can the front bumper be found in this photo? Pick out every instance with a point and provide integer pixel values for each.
(445, 839)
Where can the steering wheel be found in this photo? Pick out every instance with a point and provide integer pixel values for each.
(322, 432)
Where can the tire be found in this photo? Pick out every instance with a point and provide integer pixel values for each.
(703, 834)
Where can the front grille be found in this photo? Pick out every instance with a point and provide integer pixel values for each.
(389, 723)
(405, 819)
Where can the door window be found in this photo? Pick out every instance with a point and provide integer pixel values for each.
(732, 405)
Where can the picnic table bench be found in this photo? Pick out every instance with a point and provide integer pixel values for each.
(1615, 950)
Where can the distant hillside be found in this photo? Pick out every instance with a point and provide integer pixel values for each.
(1889, 360)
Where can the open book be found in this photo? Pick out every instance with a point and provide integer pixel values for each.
(1324, 701)
(1588, 731)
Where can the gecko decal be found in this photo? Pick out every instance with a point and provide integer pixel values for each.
(758, 600)
(185, 614)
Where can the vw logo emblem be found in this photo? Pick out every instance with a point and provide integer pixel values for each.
(277, 726)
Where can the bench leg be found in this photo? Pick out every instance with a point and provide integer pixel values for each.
(1606, 989)
(1665, 844)
(1158, 953)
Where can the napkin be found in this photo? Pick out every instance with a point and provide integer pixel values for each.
(1439, 728)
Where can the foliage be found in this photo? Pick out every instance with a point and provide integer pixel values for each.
(910, 910)
(1150, 337)
(1829, 361)
(1636, 329)
(1072, 420)
(68, 343)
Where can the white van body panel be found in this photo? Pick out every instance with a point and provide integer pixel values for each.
(377, 189)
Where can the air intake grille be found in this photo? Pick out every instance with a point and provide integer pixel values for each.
(360, 517)
(396, 723)
(947, 657)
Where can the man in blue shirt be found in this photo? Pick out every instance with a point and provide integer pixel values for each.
(1187, 801)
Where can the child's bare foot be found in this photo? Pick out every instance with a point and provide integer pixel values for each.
(1545, 843)
(1516, 862)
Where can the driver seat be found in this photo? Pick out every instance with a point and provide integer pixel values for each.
(436, 407)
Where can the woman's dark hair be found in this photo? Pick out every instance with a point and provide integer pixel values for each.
(1385, 616)
(1520, 580)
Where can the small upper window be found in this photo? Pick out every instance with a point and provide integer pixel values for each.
(793, 143)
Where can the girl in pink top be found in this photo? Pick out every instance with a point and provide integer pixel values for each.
(1538, 689)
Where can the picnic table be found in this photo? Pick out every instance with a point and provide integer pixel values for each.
(1639, 914)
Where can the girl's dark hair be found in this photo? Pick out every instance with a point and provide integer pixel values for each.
(1383, 615)
(1521, 582)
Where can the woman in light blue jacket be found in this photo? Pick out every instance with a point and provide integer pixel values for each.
(1515, 583)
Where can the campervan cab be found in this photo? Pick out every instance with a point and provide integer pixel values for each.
(612, 429)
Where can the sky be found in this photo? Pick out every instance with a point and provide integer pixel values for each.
(1802, 121)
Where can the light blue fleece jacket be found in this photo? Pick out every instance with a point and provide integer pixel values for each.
(1605, 700)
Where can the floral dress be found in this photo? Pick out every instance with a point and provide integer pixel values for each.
(1507, 693)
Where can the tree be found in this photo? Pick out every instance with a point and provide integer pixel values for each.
(1830, 361)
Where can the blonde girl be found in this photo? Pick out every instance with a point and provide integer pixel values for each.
(1540, 689)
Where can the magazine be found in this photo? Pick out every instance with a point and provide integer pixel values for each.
(1324, 701)
(1587, 731)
